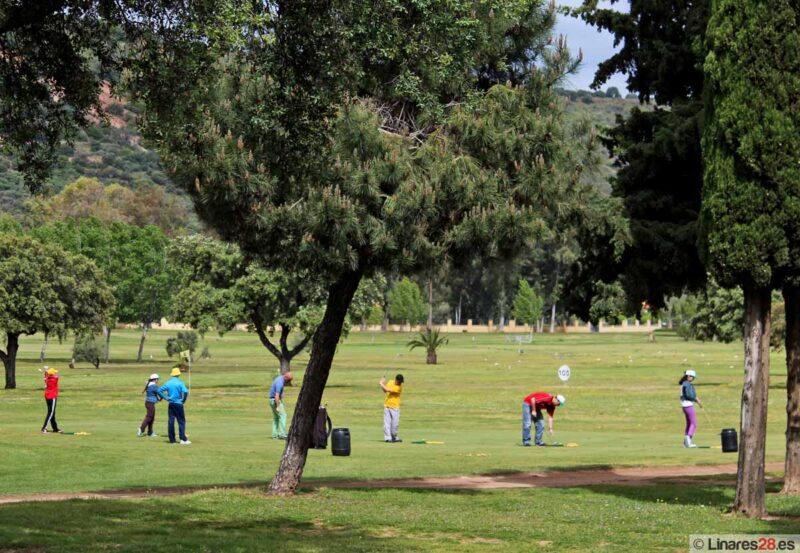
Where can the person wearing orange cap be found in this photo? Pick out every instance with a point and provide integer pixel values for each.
(51, 398)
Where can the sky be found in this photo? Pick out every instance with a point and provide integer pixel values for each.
(596, 46)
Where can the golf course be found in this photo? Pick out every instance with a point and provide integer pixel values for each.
(622, 410)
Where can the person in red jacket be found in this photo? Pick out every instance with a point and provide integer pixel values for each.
(51, 397)
(532, 407)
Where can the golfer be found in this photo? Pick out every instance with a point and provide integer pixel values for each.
(688, 399)
(278, 406)
(391, 408)
(532, 407)
(51, 398)
(153, 396)
(177, 393)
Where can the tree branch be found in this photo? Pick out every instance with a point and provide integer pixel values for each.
(285, 330)
(301, 346)
(258, 324)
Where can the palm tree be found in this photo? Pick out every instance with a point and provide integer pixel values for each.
(431, 341)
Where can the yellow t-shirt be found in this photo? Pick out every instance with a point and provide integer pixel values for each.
(392, 400)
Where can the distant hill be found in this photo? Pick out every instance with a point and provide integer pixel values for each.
(109, 151)
(112, 151)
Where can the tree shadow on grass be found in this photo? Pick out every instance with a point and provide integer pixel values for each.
(155, 526)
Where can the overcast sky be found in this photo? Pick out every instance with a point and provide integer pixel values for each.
(596, 46)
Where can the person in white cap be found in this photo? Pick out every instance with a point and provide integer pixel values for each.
(688, 399)
(153, 396)
(532, 407)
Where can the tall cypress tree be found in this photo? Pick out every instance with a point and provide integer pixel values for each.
(751, 201)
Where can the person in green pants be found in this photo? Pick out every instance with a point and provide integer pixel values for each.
(278, 406)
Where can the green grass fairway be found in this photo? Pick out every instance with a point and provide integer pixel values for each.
(622, 409)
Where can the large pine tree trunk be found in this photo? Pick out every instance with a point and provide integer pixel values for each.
(141, 344)
(9, 358)
(326, 339)
(791, 479)
(750, 498)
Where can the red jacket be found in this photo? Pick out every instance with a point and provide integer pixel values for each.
(50, 386)
(539, 401)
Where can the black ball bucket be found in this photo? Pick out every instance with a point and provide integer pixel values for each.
(729, 441)
(340, 441)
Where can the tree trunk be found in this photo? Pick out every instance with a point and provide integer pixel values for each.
(750, 498)
(141, 343)
(107, 352)
(553, 318)
(458, 312)
(285, 364)
(791, 479)
(9, 358)
(431, 359)
(326, 338)
(430, 304)
(43, 352)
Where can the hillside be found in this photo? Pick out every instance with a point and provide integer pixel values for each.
(112, 151)
(109, 151)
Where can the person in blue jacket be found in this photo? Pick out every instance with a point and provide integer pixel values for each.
(688, 399)
(153, 396)
(177, 393)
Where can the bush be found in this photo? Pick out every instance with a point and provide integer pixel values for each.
(89, 349)
(182, 342)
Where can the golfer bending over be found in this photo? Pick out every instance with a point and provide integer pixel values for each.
(391, 408)
(532, 407)
(177, 394)
(278, 406)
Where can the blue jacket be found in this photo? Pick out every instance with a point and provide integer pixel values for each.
(176, 390)
(153, 393)
(687, 392)
(277, 387)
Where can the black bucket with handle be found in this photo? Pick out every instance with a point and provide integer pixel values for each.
(340, 441)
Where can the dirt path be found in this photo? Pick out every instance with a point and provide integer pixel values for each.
(623, 476)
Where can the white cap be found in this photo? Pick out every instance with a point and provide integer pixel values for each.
(561, 399)
(691, 373)
(154, 376)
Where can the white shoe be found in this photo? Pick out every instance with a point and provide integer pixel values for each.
(139, 432)
(185, 442)
(153, 435)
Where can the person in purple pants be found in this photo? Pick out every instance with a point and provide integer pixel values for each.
(688, 399)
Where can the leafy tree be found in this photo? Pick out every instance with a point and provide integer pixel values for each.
(220, 287)
(613, 92)
(88, 348)
(367, 299)
(42, 288)
(321, 153)
(431, 340)
(44, 97)
(140, 206)
(751, 211)
(719, 314)
(405, 302)
(144, 289)
(184, 341)
(608, 303)
(527, 305)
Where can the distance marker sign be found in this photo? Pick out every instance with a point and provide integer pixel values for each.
(564, 373)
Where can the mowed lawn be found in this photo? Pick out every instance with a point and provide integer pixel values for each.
(622, 409)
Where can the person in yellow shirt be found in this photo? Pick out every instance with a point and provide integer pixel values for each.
(391, 408)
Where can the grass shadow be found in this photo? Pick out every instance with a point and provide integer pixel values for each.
(156, 526)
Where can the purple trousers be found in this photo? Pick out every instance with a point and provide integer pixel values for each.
(691, 420)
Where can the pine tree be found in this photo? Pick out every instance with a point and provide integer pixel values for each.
(348, 144)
